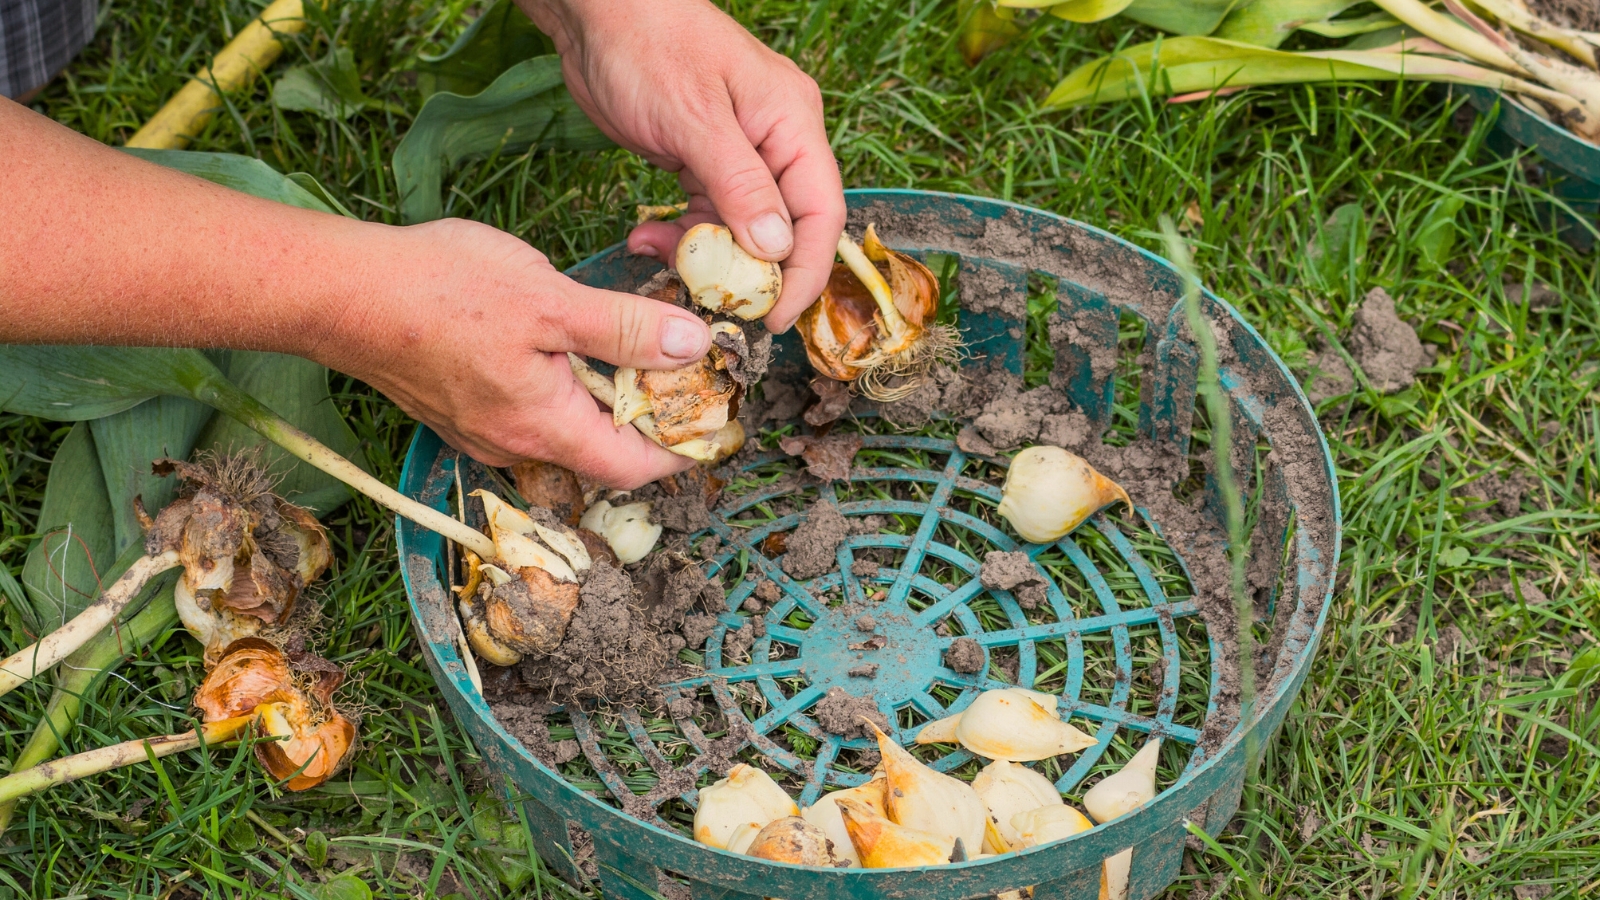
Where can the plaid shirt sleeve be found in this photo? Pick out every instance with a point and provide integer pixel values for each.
(38, 38)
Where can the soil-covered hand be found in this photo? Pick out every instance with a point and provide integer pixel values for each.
(470, 335)
(682, 84)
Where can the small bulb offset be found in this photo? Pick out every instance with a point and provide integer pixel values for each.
(747, 797)
(882, 843)
(1008, 789)
(1128, 788)
(1048, 492)
(1044, 824)
(1014, 727)
(943, 731)
(825, 815)
(627, 529)
(722, 277)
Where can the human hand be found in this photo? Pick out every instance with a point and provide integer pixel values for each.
(683, 85)
(468, 330)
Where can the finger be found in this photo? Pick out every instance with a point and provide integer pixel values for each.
(740, 186)
(624, 329)
(659, 239)
(587, 443)
(814, 196)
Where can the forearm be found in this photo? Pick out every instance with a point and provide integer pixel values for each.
(101, 247)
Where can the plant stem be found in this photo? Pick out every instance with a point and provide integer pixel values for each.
(226, 397)
(93, 762)
(1221, 416)
(876, 285)
(80, 674)
(605, 390)
(22, 666)
(1450, 33)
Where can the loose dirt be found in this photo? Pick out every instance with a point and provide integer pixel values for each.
(1583, 15)
(1386, 348)
(812, 550)
(964, 655)
(838, 712)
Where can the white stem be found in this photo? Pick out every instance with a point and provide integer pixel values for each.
(22, 666)
(876, 285)
(1450, 33)
(93, 762)
(605, 390)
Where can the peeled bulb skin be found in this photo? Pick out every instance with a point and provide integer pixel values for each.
(1048, 492)
(919, 797)
(1010, 726)
(825, 815)
(722, 277)
(627, 528)
(1008, 789)
(748, 796)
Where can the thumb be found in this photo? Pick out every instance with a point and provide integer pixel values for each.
(741, 188)
(627, 329)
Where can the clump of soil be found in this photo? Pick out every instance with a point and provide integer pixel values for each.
(1330, 377)
(1503, 493)
(827, 458)
(812, 550)
(1014, 572)
(1386, 348)
(841, 713)
(685, 513)
(964, 655)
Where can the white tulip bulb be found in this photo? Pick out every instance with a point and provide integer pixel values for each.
(747, 797)
(1008, 789)
(626, 528)
(1127, 789)
(722, 277)
(1048, 492)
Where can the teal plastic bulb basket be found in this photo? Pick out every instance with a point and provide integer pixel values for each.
(1134, 635)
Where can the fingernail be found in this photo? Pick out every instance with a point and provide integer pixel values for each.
(647, 250)
(682, 338)
(771, 234)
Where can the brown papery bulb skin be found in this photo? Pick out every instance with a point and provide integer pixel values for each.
(251, 672)
(841, 327)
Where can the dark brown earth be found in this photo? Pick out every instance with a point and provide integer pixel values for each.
(840, 713)
(813, 548)
(964, 655)
(1583, 15)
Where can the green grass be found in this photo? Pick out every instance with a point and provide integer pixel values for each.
(1442, 746)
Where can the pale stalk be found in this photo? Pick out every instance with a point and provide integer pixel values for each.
(251, 412)
(1450, 33)
(1574, 43)
(605, 390)
(57, 772)
(22, 666)
(80, 674)
(1574, 81)
(1432, 68)
(876, 285)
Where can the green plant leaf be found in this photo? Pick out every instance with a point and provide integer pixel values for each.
(342, 887)
(1088, 10)
(129, 441)
(1339, 246)
(526, 106)
(1436, 235)
(1343, 28)
(242, 173)
(297, 390)
(1268, 23)
(507, 855)
(310, 185)
(76, 549)
(985, 28)
(71, 384)
(499, 39)
(1184, 17)
(329, 87)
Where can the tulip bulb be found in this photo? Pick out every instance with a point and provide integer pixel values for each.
(1127, 789)
(793, 840)
(1007, 790)
(1044, 824)
(918, 797)
(1014, 727)
(943, 731)
(882, 843)
(722, 277)
(874, 332)
(1048, 492)
(748, 796)
(627, 529)
(825, 815)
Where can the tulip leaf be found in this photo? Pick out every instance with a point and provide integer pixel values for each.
(76, 548)
(1343, 28)
(1183, 17)
(1088, 10)
(985, 28)
(1268, 23)
(297, 390)
(1186, 65)
(242, 173)
(329, 87)
(527, 106)
(1436, 235)
(127, 442)
(497, 40)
